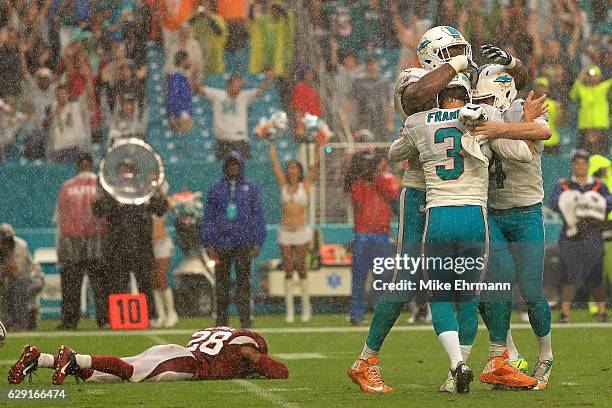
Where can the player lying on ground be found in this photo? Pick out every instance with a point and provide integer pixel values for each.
(217, 353)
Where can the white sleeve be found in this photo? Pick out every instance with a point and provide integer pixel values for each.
(402, 149)
(516, 150)
(405, 78)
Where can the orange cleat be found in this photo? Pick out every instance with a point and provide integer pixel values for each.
(366, 374)
(499, 372)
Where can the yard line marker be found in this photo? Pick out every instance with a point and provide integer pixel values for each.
(273, 330)
(265, 394)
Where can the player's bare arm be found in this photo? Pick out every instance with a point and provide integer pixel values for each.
(517, 131)
(418, 94)
(264, 364)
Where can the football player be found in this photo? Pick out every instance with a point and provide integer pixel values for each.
(215, 353)
(445, 50)
(515, 204)
(456, 173)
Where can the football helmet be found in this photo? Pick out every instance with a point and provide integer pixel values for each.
(495, 81)
(460, 80)
(434, 48)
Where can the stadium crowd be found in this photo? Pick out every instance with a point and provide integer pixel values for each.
(77, 70)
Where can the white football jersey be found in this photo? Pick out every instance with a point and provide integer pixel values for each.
(405, 78)
(453, 176)
(413, 176)
(514, 184)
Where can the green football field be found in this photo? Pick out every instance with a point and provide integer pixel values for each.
(318, 355)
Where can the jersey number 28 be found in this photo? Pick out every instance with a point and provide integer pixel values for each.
(208, 342)
(453, 152)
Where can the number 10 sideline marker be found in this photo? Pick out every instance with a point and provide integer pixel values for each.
(128, 312)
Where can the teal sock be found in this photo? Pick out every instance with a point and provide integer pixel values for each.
(539, 317)
(385, 315)
(497, 315)
(443, 318)
(467, 319)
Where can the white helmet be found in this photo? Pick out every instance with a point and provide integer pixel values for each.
(495, 81)
(433, 49)
(405, 78)
(460, 80)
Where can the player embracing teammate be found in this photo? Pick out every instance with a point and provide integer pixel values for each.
(453, 189)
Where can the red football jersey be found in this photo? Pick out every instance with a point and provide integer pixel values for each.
(218, 351)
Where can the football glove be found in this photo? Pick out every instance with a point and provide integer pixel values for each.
(497, 55)
(471, 115)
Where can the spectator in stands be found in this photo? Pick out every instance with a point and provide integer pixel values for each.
(372, 191)
(592, 94)
(345, 21)
(234, 12)
(125, 79)
(295, 233)
(172, 15)
(128, 243)
(21, 280)
(584, 203)
(163, 248)
(305, 99)
(230, 114)
(38, 97)
(10, 123)
(68, 124)
(555, 115)
(185, 42)
(121, 12)
(127, 121)
(179, 93)
(137, 34)
(210, 30)
(370, 97)
(10, 68)
(79, 246)
(233, 231)
(271, 29)
(345, 73)
(409, 35)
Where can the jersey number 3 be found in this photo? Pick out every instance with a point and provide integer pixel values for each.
(453, 152)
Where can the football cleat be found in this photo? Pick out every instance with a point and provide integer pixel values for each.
(66, 365)
(462, 376)
(498, 371)
(366, 374)
(449, 385)
(26, 365)
(541, 373)
(520, 364)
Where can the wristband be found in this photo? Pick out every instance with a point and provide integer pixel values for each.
(512, 63)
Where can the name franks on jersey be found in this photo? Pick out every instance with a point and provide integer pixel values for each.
(442, 116)
(453, 152)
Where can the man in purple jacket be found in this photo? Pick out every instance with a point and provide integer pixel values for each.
(233, 230)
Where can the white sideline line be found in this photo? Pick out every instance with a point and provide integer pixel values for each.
(157, 339)
(265, 394)
(273, 330)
